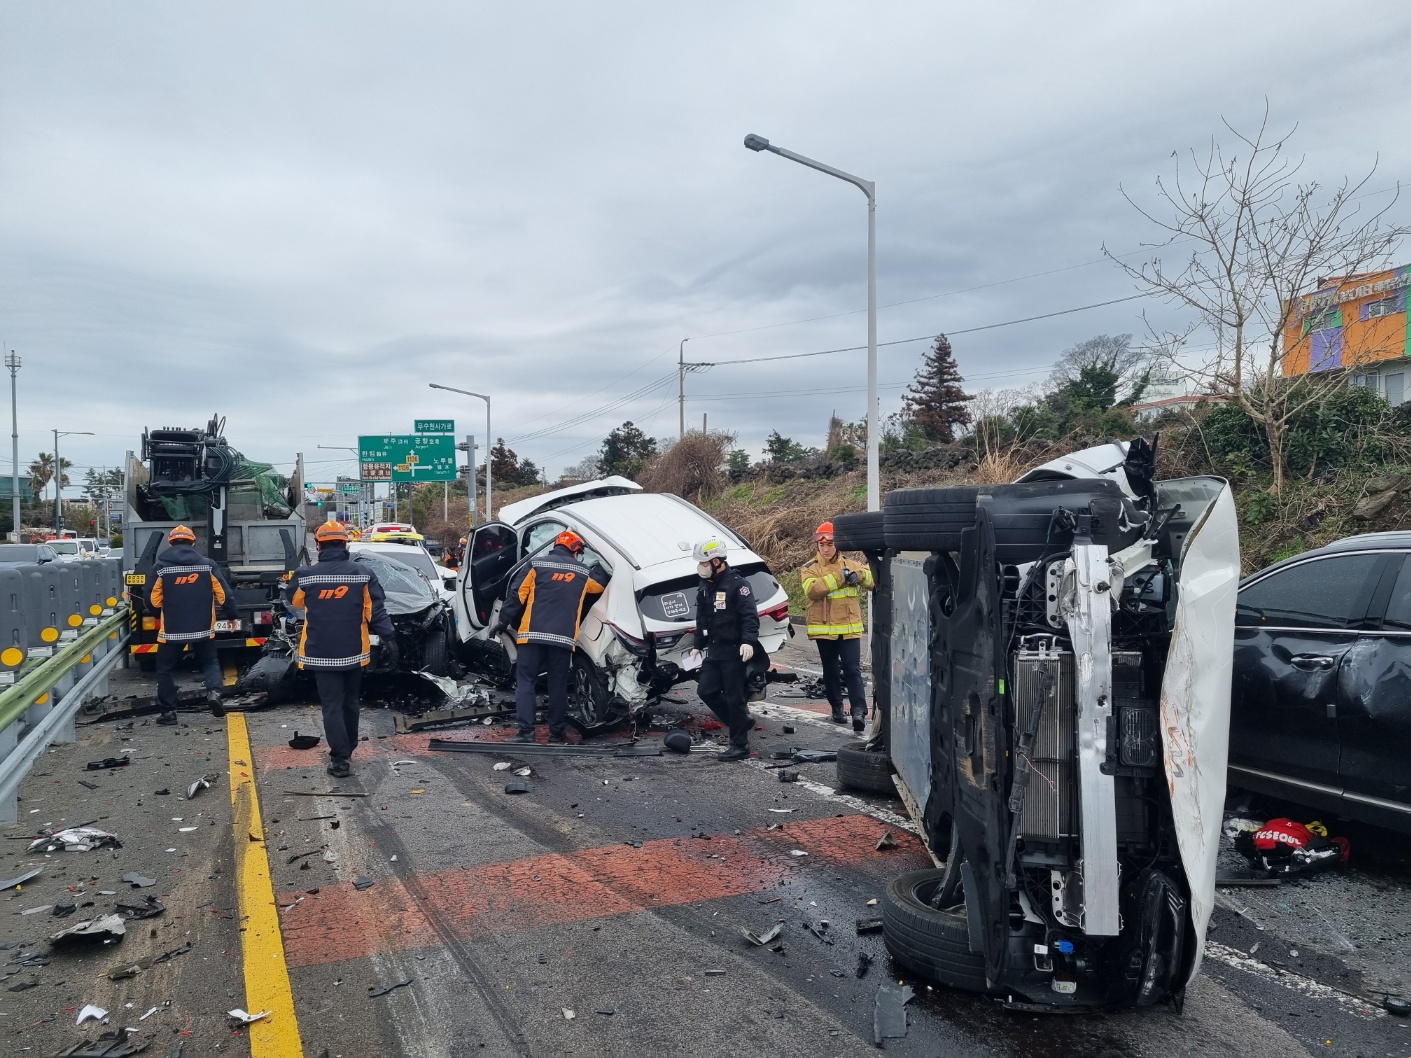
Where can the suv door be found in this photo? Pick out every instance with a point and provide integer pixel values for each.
(490, 554)
(1293, 628)
(1374, 711)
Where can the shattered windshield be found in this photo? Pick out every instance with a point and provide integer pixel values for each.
(406, 591)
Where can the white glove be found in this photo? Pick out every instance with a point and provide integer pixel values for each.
(692, 661)
(746, 652)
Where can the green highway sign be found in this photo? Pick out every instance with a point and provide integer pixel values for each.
(350, 486)
(407, 457)
(435, 425)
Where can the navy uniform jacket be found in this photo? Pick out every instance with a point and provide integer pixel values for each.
(188, 588)
(341, 600)
(726, 615)
(545, 600)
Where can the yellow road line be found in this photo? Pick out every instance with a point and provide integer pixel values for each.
(231, 672)
(267, 984)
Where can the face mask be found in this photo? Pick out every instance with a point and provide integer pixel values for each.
(704, 569)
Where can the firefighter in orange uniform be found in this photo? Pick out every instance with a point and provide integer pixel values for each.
(190, 591)
(342, 602)
(543, 606)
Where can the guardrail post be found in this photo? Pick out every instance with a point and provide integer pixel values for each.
(9, 738)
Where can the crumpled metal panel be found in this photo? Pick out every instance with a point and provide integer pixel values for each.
(911, 677)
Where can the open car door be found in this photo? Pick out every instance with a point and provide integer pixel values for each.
(490, 555)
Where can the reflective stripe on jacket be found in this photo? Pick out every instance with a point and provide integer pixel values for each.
(342, 600)
(834, 607)
(187, 588)
(545, 600)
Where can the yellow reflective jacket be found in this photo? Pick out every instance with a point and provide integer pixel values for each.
(834, 607)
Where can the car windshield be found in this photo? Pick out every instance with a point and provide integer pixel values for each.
(406, 592)
(407, 555)
(64, 547)
(18, 552)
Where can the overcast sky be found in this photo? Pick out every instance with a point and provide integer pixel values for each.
(298, 215)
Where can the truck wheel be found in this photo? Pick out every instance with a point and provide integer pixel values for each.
(588, 703)
(860, 769)
(434, 656)
(928, 519)
(146, 663)
(860, 532)
(927, 941)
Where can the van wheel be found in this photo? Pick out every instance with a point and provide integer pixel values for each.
(929, 519)
(928, 941)
(860, 532)
(588, 702)
(861, 769)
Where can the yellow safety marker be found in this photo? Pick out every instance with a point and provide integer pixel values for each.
(267, 984)
(231, 672)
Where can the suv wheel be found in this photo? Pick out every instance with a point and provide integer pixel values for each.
(928, 519)
(861, 769)
(926, 940)
(860, 532)
(588, 702)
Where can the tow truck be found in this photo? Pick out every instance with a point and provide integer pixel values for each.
(247, 519)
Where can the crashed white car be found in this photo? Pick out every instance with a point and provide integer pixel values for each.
(635, 635)
(1054, 661)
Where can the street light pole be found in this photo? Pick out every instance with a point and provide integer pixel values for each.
(13, 363)
(59, 477)
(868, 188)
(489, 445)
(681, 386)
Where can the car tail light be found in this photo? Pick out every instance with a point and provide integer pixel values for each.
(634, 644)
(667, 640)
(780, 613)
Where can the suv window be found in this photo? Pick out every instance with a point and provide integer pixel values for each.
(1330, 592)
(1398, 617)
(542, 531)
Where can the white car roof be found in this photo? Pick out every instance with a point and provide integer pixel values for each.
(651, 528)
(616, 485)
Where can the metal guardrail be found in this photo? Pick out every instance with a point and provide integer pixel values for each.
(46, 698)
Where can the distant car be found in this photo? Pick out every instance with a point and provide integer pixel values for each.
(414, 557)
(633, 636)
(26, 554)
(69, 550)
(1321, 701)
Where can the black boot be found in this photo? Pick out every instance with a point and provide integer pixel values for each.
(167, 719)
(213, 700)
(735, 753)
(839, 717)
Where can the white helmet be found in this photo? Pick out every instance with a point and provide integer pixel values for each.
(708, 549)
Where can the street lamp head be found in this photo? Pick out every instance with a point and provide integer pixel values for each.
(757, 143)
(12, 361)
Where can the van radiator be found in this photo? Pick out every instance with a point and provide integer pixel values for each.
(1051, 798)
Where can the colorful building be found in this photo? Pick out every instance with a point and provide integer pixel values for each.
(1355, 323)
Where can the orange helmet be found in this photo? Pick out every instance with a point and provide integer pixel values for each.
(182, 533)
(824, 531)
(329, 532)
(571, 540)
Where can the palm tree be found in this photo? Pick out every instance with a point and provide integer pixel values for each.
(41, 472)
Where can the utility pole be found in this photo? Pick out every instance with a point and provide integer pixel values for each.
(13, 363)
(681, 387)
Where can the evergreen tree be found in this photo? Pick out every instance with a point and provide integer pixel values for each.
(625, 451)
(936, 400)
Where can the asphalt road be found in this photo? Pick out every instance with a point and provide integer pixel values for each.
(616, 889)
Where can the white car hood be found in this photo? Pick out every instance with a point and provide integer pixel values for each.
(615, 485)
(1195, 700)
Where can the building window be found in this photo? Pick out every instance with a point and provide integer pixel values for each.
(1395, 391)
(1382, 307)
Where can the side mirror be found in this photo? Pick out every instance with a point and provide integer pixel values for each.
(45, 558)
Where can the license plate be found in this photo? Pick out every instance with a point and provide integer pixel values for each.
(227, 626)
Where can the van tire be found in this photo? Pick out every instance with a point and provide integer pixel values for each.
(923, 940)
(860, 532)
(929, 519)
(861, 769)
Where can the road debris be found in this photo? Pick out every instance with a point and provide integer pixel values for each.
(373, 991)
(108, 929)
(869, 925)
(872, 902)
(606, 1010)
(304, 741)
(1396, 1005)
(889, 1015)
(246, 1018)
(203, 783)
(321, 793)
(300, 855)
(797, 853)
(1286, 846)
(888, 840)
(783, 811)
(813, 756)
(363, 882)
(552, 749)
(122, 973)
(524, 773)
(151, 907)
(19, 880)
(677, 740)
(65, 909)
(762, 939)
(106, 763)
(788, 776)
(864, 963)
(149, 1013)
(89, 785)
(714, 973)
(91, 1012)
(518, 787)
(503, 765)
(36, 910)
(788, 729)
(568, 1015)
(22, 986)
(76, 839)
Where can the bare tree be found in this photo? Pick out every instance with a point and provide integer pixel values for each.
(1111, 354)
(1262, 238)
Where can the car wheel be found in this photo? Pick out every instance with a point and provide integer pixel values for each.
(588, 702)
(860, 532)
(928, 519)
(926, 940)
(861, 769)
(435, 656)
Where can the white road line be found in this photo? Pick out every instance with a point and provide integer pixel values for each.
(1294, 982)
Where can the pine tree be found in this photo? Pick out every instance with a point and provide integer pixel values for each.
(936, 400)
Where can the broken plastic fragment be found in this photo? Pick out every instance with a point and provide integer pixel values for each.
(568, 1015)
(373, 991)
(203, 783)
(783, 810)
(363, 882)
(524, 773)
(90, 1012)
(76, 839)
(139, 881)
(21, 879)
(889, 1015)
(761, 939)
(887, 841)
(503, 765)
(797, 852)
(246, 1018)
(518, 787)
(151, 907)
(107, 928)
(149, 1013)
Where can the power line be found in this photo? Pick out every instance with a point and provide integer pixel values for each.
(595, 412)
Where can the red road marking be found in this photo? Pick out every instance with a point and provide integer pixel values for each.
(340, 923)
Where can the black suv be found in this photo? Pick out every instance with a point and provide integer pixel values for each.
(1321, 697)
